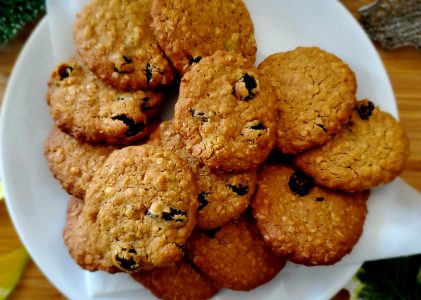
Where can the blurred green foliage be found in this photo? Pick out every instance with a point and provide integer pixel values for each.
(391, 279)
(15, 14)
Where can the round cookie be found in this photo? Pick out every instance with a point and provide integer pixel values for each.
(371, 150)
(307, 224)
(234, 255)
(115, 40)
(78, 242)
(86, 108)
(182, 282)
(226, 113)
(315, 94)
(140, 207)
(191, 30)
(222, 196)
(73, 163)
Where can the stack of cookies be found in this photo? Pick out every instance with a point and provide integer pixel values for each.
(259, 165)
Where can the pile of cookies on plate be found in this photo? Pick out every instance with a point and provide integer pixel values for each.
(259, 166)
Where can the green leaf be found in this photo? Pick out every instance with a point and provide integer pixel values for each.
(391, 279)
(11, 267)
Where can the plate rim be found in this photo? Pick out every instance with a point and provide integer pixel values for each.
(43, 25)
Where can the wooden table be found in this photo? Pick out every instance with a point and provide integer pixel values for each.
(403, 67)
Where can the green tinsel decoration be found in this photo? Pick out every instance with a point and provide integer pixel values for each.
(15, 14)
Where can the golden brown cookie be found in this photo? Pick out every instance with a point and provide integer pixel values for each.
(140, 208)
(306, 223)
(191, 30)
(226, 113)
(222, 196)
(115, 40)
(315, 94)
(183, 281)
(73, 163)
(86, 108)
(234, 255)
(371, 150)
(78, 242)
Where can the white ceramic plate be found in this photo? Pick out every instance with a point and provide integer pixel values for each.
(37, 205)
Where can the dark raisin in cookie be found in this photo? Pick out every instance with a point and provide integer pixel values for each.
(191, 30)
(315, 93)
(304, 222)
(370, 150)
(78, 242)
(222, 196)
(226, 113)
(116, 42)
(89, 110)
(140, 208)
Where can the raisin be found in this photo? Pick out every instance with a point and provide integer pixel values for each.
(212, 232)
(249, 81)
(240, 189)
(319, 199)
(64, 71)
(148, 73)
(127, 262)
(253, 130)
(193, 266)
(202, 200)
(250, 84)
(181, 247)
(258, 126)
(124, 67)
(133, 127)
(145, 104)
(199, 115)
(300, 183)
(174, 215)
(365, 110)
(322, 127)
(127, 59)
(194, 60)
(276, 157)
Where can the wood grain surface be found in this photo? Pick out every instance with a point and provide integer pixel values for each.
(403, 67)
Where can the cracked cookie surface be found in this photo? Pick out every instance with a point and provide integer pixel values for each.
(315, 94)
(309, 225)
(74, 163)
(191, 30)
(86, 108)
(115, 40)
(371, 150)
(140, 208)
(222, 196)
(226, 113)
(182, 282)
(235, 255)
